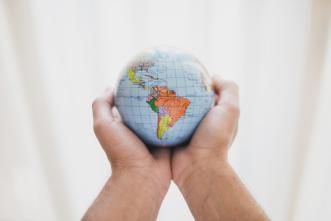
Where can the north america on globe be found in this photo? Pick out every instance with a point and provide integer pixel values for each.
(163, 95)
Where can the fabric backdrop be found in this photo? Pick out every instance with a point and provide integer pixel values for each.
(57, 56)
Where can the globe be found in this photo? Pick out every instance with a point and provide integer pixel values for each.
(162, 95)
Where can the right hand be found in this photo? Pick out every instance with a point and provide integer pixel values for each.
(212, 139)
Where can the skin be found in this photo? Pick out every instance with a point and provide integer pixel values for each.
(140, 178)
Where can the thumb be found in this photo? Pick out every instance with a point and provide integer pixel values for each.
(115, 138)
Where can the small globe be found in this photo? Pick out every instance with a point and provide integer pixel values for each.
(162, 95)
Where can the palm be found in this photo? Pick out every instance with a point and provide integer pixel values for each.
(154, 163)
(199, 146)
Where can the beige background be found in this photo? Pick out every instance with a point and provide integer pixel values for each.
(56, 56)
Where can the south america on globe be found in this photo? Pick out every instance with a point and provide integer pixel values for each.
(162, 96)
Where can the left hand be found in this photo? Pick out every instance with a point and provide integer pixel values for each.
(136, 172)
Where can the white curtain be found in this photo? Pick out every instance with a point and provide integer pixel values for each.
(56, 56)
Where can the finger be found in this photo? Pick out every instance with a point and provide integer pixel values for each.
(116, 113)
(105, 126)
(102, 107)
(227, 92)
(119, 143)
(103, 118)
(217, 82)
(235, 134)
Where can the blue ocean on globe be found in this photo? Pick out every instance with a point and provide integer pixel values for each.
(162, 96)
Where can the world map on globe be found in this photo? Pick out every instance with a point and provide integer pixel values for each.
(162, 95)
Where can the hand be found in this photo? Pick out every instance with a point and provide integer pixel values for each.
(210, 143)
(210, 186)
(139, 179)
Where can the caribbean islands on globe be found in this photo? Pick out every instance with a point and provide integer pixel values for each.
(162, 96)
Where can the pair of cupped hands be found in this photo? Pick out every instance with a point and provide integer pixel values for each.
(141, 176)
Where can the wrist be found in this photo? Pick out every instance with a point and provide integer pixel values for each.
(199, 173)
(126, 196)
(137, 184)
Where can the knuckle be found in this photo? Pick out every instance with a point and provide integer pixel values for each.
(99, 125)
(233, 85)
(95, 103)
(232, 108)
(96, 127)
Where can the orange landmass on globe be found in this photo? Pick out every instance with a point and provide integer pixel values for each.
(174, 106)
(171, 108)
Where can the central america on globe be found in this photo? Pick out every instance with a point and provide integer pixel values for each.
(162, 95)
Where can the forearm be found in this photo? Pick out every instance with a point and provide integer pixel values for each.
(131, 198)
(216, 193)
